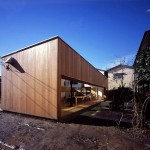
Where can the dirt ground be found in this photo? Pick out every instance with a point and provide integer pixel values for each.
(32, 133)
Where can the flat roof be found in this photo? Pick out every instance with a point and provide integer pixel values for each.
(44, 41)
(38, 43)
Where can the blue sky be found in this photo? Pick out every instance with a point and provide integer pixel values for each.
(102, 31)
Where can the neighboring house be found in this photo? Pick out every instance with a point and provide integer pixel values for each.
(36, 80)
(104, 72)
(143, 86)
(120, 76)
(103, 90)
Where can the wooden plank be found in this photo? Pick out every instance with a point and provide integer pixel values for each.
(75, 66)
(23, 82)
(30, 81)
(35, 91)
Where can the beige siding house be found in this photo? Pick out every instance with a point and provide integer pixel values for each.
(120, 76)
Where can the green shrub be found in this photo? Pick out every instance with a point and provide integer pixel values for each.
(119, 96)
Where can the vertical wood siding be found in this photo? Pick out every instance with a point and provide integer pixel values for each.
(35, 91)
(72, 65)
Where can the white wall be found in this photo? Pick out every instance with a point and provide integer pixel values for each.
(127, 81)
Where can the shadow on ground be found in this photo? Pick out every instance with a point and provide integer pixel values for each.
(98, 117)
(98, 122)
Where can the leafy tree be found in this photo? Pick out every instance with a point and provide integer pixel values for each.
(142, 71)
(142, 64)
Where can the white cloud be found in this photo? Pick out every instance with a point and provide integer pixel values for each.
(148, 10)
(128, 60)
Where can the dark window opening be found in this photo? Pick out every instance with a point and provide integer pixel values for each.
(118, 76)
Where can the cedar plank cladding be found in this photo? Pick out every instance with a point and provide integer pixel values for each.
(38, 90)
(72, 65)
(35, 91)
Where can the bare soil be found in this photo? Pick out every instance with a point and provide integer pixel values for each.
(32, 133)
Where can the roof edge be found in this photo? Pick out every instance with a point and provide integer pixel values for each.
(47, 40)
(80, 55)
(30, 46)
(127, 66)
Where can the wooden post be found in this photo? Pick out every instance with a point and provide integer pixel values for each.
(71, 99)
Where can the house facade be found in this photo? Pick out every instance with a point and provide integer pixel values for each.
(120, 76)
(38, 80)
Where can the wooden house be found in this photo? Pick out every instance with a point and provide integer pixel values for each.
(33, 78)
